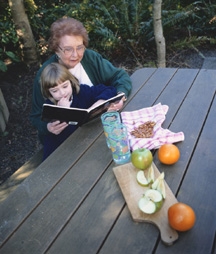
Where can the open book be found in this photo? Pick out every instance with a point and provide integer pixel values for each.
(77, 116)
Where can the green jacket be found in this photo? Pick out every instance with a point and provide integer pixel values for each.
(99, 70)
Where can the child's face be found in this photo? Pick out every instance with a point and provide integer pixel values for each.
(62, 90)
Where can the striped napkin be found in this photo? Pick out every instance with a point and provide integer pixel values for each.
(161, 136)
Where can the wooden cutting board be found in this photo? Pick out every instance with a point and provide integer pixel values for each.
(132, 192)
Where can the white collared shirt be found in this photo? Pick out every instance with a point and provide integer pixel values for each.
(79, 72)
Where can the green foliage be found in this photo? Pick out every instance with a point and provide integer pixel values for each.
(116, 26)
(193, 20)
(41, 14)
(120, 27)
(30, 7)
(191, 42)
(9, 43)
(3, 66)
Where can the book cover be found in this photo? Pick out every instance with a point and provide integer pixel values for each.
(76, 116)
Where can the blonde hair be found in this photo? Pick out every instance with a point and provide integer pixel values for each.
(54, 74)
(66, 26)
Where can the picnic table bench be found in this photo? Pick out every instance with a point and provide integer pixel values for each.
(72, 202)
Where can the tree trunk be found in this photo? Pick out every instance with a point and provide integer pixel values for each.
(158, 33)
(24, 32)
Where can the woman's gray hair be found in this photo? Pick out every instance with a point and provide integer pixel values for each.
(66, 26)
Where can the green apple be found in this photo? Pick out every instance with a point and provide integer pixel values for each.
(151, 202)
(141, 158)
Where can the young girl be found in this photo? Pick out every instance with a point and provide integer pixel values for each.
(61, 88)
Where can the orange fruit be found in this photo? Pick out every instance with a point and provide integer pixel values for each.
(168, 154)
(181, 217)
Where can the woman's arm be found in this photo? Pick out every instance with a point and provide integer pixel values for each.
(101, 71)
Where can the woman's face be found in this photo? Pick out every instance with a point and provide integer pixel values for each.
(71, 50)
(62, 91)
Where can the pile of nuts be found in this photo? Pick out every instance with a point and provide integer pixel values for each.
(144, 130)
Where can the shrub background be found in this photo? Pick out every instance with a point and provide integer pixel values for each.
(115, 28)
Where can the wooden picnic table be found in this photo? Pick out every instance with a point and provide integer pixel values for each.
(72, 202)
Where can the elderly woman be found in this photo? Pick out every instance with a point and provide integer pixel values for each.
(69, 41)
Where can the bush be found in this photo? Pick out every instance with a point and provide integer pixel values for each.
(9, 42)
(190, 25)
(115, 27)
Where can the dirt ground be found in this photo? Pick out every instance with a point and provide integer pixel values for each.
(19, 141)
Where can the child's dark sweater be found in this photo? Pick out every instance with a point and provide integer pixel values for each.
(86, 97)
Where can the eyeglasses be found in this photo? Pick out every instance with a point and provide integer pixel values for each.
(69, 51)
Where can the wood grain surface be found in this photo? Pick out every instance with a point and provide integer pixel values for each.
(132, 192)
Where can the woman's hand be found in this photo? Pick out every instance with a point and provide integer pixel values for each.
(117, 106)
(56, 127)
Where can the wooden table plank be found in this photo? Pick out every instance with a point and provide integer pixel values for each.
(63, 235)
(62, 202)
(173, 173)
(80, 246)
(75, 205)
(35, 188)
(85, 232)
(148, 94)
(21, 203)
(141, 76)
(27, 209)
(198, 190)
(189, 119)
(176, 91)
(83, 137)
(128, 236)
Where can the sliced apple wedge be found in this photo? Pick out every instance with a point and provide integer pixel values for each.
(150, 176)
(141, 179)
(161, 188)
(151, 202)
(159, 185)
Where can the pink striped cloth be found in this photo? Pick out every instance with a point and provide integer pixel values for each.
(161, 136)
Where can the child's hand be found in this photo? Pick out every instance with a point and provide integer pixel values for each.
(64, 102)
